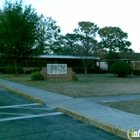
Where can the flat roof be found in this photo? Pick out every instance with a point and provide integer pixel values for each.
(66, 57)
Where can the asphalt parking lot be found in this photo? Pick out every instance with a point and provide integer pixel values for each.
(22, 119)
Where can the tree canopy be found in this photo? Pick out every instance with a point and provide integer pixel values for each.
(48, 35)
(81, 43)
(88, 44)
(23, 33)
(87, 31)
(18, 31)
(113, 39)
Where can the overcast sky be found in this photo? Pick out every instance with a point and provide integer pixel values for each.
(67, 13)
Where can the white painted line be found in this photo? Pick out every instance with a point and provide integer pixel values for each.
(30, 116)
(33, 108)
(13, 106)
(14, 114)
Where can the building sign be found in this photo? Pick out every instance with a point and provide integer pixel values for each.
(56, 68)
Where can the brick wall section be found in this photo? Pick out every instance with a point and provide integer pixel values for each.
(67, 76)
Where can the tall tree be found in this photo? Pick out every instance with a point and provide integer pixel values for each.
(18, 31)
(88, 45)
(81, 44)
(113, 39)
(58, 46)
(68, 44)
(49, 34)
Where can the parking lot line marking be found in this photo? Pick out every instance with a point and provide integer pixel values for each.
(33, 108)
(14, 114)
(30, 116)
(12, 106)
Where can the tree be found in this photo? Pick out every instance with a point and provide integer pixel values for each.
(113, 39)
(81, 43)
(87, 44)
(18, 31)
(60, 46)
(71, 43)
(68, 44)
(48, 35)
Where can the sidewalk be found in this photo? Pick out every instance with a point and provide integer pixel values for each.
(85, 109)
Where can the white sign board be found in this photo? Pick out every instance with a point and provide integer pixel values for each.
(56, 68)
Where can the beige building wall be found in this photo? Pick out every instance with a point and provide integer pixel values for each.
(135, 65)
(102, 65)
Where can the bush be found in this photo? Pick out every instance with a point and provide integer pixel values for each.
(20, 70)
(36, 76)
(75, 78)
(2, 70)
(121, 68)
(11, 69)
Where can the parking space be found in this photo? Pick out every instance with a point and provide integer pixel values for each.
(24, 111)
(22, 119)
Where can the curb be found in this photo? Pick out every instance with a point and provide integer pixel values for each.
(94, 122)
(24, 95)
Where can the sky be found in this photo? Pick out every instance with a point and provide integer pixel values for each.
(117, 13)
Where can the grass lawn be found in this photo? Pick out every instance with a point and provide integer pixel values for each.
(127, 106)
(86, 86)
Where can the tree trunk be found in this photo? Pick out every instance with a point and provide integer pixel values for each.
(15, 65)
(85, 69)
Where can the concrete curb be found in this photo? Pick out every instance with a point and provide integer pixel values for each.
(94, 122)
(24, 95)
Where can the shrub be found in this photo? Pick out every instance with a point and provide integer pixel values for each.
(2, 70)
(11, 69)
(36, 76)
(121, 68)
(75, 78)
(20, 70)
